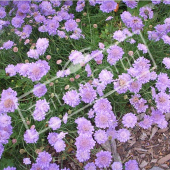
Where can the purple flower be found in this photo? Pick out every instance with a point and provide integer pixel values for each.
(135, 86)
(33, 53)
(102, 106)
(61, 34)
(153, 35)
(163, 102)
(76, 57)
(119, 36)
(4, 136)
(52, 138)
(71, 98)
(122, 84)
(53, 166)
(42, 105)
(161, 30)
(102, 119)
(115, 53)
(103, 159)
(5, 120)
(52, 26)
(46, 8)
(156, 1)
(65, 117)
(126, 18)
(89, 166)
(136, 24)
(111, 132)
(42, 45)
(83, 156)
(163, 124)
(31, 136)
(157, 116)
(17, 22)
(24, 7)
(88, 70)
(166, 61)
(131, 165)
(106, 77)
(44, 159)
(143, 48)
(117, 166)
(123, 135)
(146, 13)
(108, 18)
(90, 113)
(26, 161)
(108, 6)
(80, 5)
(84, 142)
(166, 39)
(11, 70)
(140, 105)
(35, 166)
(38, 115)
(146, 123)
(2, 12)
(87, 93)
(59, 145)
(70, 25)
(54, 123)
(7, 45)
(1, 150)
(100, 136)
(97, 55)
(166, 1)
(131, 3)
(39, 90)
(129, 120)
(84, 126)
(163, 82)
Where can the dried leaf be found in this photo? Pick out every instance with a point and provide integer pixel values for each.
(164, 159)
(143, 164)
(154, 130)
(140, 149)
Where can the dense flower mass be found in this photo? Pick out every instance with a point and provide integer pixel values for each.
(73, 82)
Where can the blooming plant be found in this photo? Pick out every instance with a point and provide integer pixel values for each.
(77, 75)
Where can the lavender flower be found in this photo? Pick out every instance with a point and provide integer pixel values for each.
(53, 166)
(44, 159)
(31, 136)
(71, 98)
(157, 116)
(102, 106)
(38, 115)
(89, 166)
(90, 113)
(1, 150)
(39, 90)
(102, 119)
(84, 142)
(140, 105)
(2, 12)
(136, 24)
(17, 22)
(100, 136)
(131, 165)
(88, 70)
(106, 77)
(87, 93)
(108, 6)
(146, 13)
(119, 36)
(143, 48)
(117, 166)
(123, 135)
(26, 161)
(83, 156)
(76, 57)
(7, 45)
(42, 45)
(115, 53)
(5, 120)
(9, 168)
(84, 126)
(166, 39)
(65, 117)
(146, 123)
(166, 61)
(111, 132)
(70, 25)
(32, 53)
(126, 18)
(59, 145)
(103, 159)
(97, 55)
(131, 3)
(129, 120)
(54, 123)
(11, 70)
